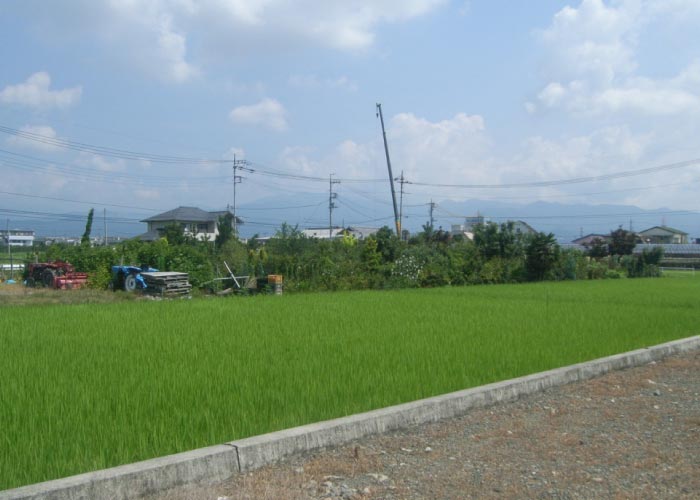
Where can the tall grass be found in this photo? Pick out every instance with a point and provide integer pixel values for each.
(90, 386)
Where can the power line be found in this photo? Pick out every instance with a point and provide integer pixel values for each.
(27, 162)
(30, 214)
(81, 202)
(576, 180)
(104, 150)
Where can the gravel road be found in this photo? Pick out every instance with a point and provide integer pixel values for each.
(628, 434)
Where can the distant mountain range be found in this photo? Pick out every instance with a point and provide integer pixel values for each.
(264, 216)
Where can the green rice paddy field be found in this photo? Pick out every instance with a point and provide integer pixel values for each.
(85, 387)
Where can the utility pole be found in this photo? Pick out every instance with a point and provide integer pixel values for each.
(331, 205)
(401, 181)
(391, 176)
(237, 179)
(104, 219)
(432, 219)
(9, 250)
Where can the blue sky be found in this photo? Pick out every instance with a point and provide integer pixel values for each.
(478, 93)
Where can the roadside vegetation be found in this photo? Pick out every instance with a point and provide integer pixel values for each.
(431, 258)
(89, 386)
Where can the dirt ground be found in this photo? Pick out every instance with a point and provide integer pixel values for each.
(18, 295)
(628, 434)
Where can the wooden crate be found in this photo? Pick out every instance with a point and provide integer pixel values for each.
(167, 283)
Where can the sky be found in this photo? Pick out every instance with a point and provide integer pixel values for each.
(135, 107)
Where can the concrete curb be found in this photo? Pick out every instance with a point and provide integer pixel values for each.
(218, 463)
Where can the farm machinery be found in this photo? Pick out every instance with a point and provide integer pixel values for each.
(57, 274)
(128, 278)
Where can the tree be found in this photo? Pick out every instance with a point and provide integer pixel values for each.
(541, 253)
(598, 249)
(370, 255)
(622, 242)
(225, 229)
(85, 240)
(174, 233)
(388, 244)
(493, 240)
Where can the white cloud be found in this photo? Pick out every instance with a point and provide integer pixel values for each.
(338, 25)
(147, 194)
(579, 156)
(452, 150)
(313, 82)
(593, 62)
(457, 149)
(35, 93)
(148, 35)
(156, 36)
(101, 163)
(268, 113)
(43, 134)
(234, 152)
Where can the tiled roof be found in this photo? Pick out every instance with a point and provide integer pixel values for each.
(183, 214)
(664, 228)
(189, 214)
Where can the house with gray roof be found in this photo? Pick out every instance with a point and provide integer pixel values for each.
(194, 222)
(663, 234)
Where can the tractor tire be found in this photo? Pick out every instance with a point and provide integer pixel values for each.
(48, 277)
(130, 283)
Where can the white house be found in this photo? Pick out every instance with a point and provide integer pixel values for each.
(323, 233)
(194, 221)
(17, 237)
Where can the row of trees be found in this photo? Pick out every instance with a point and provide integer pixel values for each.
(497, 254)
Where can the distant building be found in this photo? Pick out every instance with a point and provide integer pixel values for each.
(360, 232)
(522, 227)
(663, 234)
(467, 228)
(17, 237)
(194, 221)
(323, 233)
(590, 238)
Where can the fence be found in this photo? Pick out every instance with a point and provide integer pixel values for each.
(681, 270)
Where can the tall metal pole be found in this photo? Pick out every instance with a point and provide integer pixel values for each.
(104, 219)
(391, 176)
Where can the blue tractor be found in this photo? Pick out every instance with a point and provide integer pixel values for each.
(128, 278)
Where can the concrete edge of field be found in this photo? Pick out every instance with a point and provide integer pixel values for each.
(218, 463)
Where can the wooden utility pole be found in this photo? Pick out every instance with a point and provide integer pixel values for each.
(391, 176)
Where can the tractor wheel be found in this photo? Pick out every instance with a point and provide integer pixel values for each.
(47, 277)
(130, 282)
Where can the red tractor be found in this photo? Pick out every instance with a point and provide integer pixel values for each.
(57, 274)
